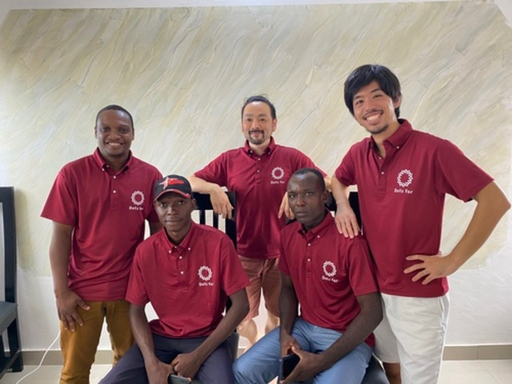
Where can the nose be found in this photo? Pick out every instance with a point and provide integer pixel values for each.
(300, 201)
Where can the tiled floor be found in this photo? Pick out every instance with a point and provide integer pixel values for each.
(453, 372)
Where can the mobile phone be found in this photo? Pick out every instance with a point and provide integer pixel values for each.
(287, 365)
(173, 379)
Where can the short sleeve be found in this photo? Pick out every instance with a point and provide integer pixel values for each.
(345, 173)
(215, 171)
(61, 205)
(456, 174)
(360, 268)
(136, 292)
(234, 277)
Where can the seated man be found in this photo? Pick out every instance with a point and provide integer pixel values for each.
(186, 271)
(332, 279)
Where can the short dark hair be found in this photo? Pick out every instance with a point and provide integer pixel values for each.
(314, 172)
(261, 99)
(364, 75)
(113, 107)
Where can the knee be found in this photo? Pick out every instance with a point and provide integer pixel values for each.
(241, 371)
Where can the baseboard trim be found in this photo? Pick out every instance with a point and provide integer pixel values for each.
(462, 352)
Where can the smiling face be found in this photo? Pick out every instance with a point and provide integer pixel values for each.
(307, 199)
(257, 123)
(115, 134)
(174, 212)
(375, 110)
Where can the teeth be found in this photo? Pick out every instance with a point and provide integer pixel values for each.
(372, 117)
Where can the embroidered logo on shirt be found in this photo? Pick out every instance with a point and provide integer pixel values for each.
(404, 180)
(329, 271)
(137, 200)
(277, 174)
(205, 273)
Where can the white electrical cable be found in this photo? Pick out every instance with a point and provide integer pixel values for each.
(42, 359)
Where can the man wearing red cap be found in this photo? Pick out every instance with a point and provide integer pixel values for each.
(258, 173)
(187, 271)
(98, 205)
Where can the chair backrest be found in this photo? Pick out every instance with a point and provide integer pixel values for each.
(204, 206)
(9, 242)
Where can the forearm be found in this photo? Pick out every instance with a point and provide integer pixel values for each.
(142, 334)
(328, 183)
(203, 186)
(288, 308)
(340, 192)
(235, 314)
(60, 249)
(491, 206)
(355, 334)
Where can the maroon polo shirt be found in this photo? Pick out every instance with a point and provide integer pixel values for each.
(328, 272)
(402, 197)
(107, 210)
(260, 183)
(187, 285)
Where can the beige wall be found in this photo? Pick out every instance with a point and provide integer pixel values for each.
(185, 72)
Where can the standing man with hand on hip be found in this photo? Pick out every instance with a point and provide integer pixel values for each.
(98, 205)
(258, 172)
(402, 177)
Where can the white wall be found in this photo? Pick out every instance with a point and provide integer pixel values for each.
(450, 72)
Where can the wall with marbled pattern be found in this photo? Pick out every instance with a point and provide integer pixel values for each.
(184, 74)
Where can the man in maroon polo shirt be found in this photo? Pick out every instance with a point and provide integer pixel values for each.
(187, 271)
(98, 205)
(332, 279)
(258, 172)
(402, 177)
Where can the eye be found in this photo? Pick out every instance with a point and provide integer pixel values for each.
(104, 129)
(181, 202)
(291, 196)
(309, 193)
(358, 102)
(124, 131)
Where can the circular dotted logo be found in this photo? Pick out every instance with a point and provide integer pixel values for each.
(205, 273)
(329, 268)
(278, 173)
(137, 198)
(404, 178)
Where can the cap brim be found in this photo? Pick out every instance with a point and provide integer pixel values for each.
(186, 195)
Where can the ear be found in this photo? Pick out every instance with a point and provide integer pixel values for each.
(397, 102)
(193, 203)
(95, 132)
(274, 125)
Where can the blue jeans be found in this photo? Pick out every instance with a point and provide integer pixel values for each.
(260, 364)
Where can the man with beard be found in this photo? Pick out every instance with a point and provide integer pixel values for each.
(258, 172)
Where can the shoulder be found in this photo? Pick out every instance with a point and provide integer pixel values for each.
(143, 166)
(210, 234)
(290, 229)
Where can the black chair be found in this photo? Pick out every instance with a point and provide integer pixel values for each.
(8, 308)
(374, 373)
(205, 208)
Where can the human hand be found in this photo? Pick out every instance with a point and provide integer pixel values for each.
(431, 267)
(220, 202)
(287, 342)
(67, 303)
(187, 364)
(158, 372)
(346, 221)
(285, 209)
(308, 367)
